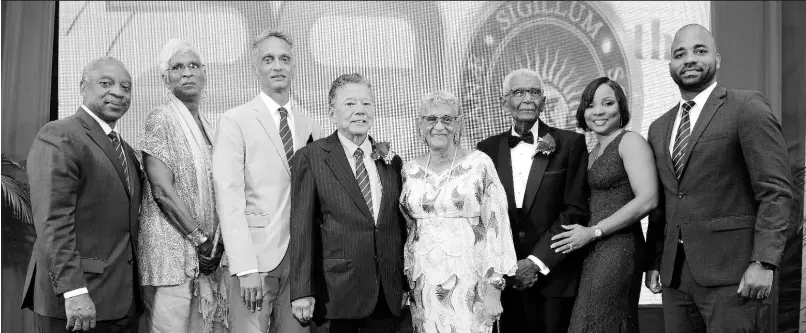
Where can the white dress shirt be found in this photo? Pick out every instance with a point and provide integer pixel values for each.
(693, 114)
(274, 108)
(521, 166)
(107, 129)
(372, 171)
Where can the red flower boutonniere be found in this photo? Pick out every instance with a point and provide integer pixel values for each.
(545, 145)
(382, 151)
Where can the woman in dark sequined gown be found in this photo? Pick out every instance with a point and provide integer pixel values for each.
(623, 181)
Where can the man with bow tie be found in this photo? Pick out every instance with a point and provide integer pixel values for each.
(543, 170)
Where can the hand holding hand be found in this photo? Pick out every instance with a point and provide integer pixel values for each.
(207, 264)
(80, 313)
(756, 282)
(652, 281)
(576, 237)
(302, 308)
(252, 291)
(526, 274)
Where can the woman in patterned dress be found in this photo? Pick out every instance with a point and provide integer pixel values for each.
(460, 243)
(179, 250)
(624, 189)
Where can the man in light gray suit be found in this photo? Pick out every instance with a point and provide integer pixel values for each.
(254, 145)
(719, 230)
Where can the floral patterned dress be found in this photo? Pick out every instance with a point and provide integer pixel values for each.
(459, 234)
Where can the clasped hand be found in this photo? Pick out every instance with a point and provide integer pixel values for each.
(576, 237)
(526, 275)
(208, 261)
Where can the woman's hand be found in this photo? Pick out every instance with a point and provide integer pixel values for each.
(492, 308)
(576, 237)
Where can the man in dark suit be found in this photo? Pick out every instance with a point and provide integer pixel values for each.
(543, 170)
(347, 232)
(719, 230)
(85, 193)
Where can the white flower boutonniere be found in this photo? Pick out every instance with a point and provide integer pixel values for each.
(382, 151)
(545, 145)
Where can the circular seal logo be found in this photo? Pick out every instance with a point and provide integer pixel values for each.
(568, 44)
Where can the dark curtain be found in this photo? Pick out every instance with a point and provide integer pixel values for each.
(28, 42)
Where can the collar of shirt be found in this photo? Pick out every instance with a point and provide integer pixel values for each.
(701, 98)
(104, 126)
(533, 129)
(350, 147)
(274, 106)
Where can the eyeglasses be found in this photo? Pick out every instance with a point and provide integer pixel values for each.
(521, 93)
(446, 120)
(179, 68)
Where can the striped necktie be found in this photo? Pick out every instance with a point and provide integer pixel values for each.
(285, 134)
(362, 176)
(121, 156)
(681, 141)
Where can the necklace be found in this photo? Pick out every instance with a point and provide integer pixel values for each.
(428, 162)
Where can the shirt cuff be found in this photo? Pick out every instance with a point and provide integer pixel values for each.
(543, 268)
(75, 292)
(249, 271)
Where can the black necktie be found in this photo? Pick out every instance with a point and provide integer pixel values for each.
(121, 155)
(527, 137)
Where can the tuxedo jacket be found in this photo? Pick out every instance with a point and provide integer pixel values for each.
(85, 219)
(556, 194)
(339, 254)
(252, 184)
(732, 203)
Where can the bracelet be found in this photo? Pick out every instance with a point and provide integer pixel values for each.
(197, 237)
(498, 282)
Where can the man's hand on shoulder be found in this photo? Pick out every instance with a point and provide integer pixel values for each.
(303, 308)
(80, 312)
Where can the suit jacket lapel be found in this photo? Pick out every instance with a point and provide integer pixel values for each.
(505, 169)
(386, 182)
(302, 128)
(267, 121)
(667, 137)
(337, 161)
(96, 133)
(708, 110)
(539, 164)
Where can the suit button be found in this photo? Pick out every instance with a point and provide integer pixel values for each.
(130, 261)
(522, 234)
(376, 258)
(680, 195)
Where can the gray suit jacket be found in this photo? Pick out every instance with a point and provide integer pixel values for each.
(85, 219)
(732, 203)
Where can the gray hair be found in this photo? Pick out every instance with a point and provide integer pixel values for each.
(266, 34)
(343, 80)
(520, 72)
(440, 97)
(173, 47)
(90, 67)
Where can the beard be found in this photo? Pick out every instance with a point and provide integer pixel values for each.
(706, 77)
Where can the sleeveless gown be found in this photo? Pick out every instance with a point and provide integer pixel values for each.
(610, 285)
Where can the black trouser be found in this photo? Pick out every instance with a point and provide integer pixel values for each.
(380, 321)
(128, 324)
(689, 307)
(529, 311)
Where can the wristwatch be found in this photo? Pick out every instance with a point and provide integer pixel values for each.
(597, 232)
(766, 265)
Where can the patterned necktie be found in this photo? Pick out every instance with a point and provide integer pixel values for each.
(362, 177)
(285, 134)
(681, 141)
(121, 156)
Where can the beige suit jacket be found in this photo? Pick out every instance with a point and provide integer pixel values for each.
(253, 184)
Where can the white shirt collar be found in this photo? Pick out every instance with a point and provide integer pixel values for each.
(273, 106)
(350, 147)
(702, 97)
(104, 126)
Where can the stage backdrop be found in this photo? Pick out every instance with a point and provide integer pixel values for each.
(406, 49)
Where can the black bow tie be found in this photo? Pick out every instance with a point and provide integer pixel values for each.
(527, 137)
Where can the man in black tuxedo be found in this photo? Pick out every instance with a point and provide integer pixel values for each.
(85, 194)
(726, 195)
(347, 232)
(544, 172)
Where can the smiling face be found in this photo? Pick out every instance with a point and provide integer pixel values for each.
(107, 91)
(274, 64)
(185, 77)
(695, 60)
(353, 109)
(528, 107)
(602, 115)
(438, 134)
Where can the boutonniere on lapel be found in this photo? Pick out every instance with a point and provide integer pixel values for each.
(545, 145)
(382, 151)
